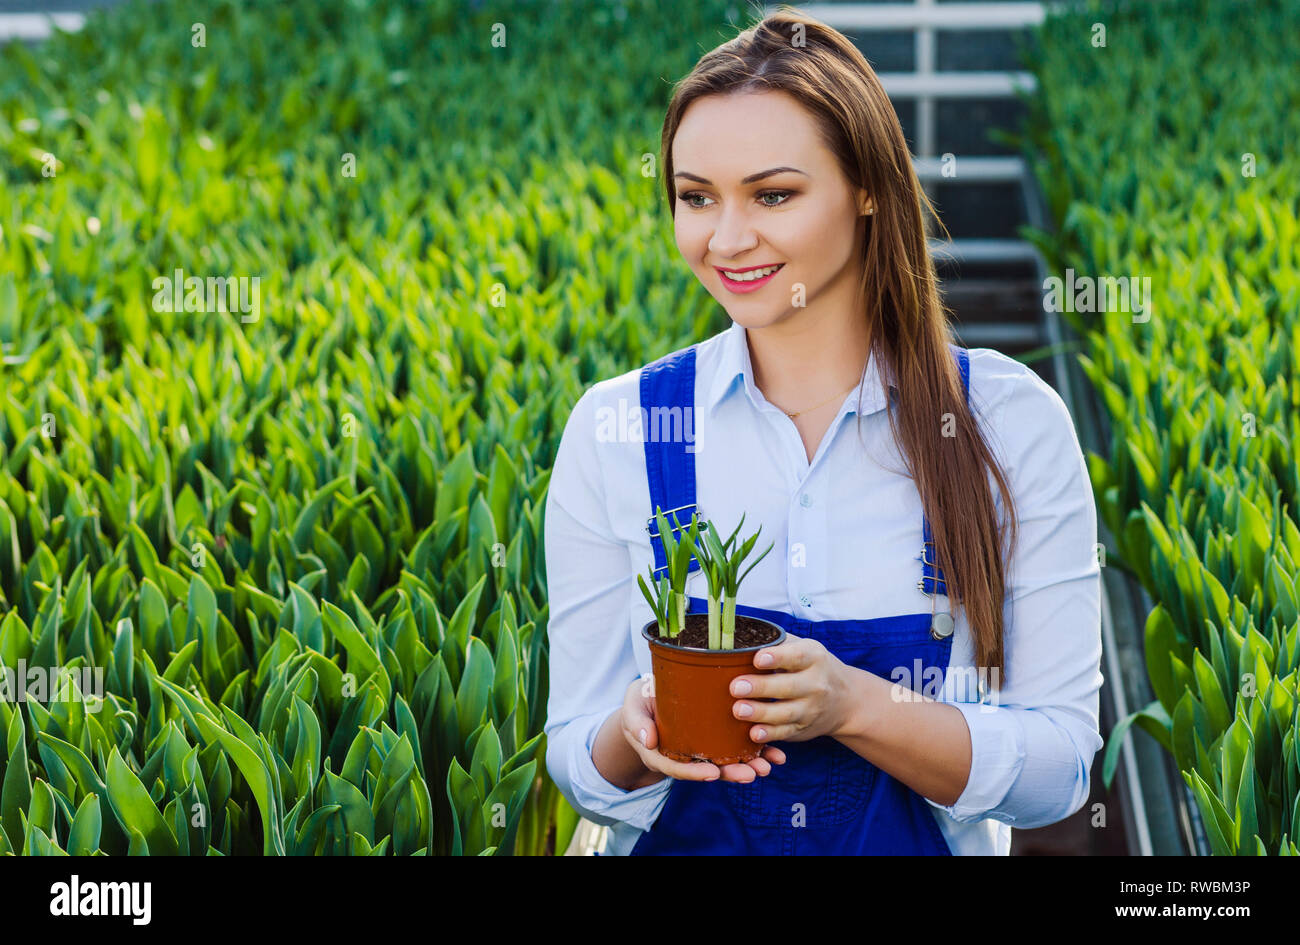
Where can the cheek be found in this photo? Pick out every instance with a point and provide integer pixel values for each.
(810, 240)
(817, 249)
(692, 240)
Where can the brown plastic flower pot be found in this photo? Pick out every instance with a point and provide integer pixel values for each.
(692, 694)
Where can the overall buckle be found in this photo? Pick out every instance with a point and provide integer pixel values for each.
(668, 514)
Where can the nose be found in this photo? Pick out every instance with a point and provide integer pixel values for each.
(733, 236)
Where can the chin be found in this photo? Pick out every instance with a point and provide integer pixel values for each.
(756, 318)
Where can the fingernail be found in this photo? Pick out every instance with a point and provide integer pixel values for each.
(764, 659)
(742, 687)
(744, 710)
(643, 741)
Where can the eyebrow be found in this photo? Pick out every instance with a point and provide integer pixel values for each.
(747, 180)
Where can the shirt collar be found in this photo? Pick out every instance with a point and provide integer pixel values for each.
(734, 362)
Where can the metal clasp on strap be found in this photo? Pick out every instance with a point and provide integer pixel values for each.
(937, 580)
(937, 577)
(668, 513)
(941, 625)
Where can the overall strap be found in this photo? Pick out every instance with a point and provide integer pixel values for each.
(931, 571)
(666, 384)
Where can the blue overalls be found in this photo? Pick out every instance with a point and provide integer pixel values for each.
(826, 799)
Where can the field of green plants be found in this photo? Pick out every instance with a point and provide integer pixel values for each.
(1170, 154)
(304, 545)
(305, 548)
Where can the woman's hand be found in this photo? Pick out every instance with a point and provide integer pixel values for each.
(810, 684)
(638, 722)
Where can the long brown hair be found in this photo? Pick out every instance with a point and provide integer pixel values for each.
(908, 327)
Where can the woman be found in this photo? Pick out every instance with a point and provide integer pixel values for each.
(795, 203)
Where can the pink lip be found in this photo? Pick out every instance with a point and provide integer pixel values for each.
(743, 287)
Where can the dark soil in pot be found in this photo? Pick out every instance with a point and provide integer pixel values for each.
(749, 632)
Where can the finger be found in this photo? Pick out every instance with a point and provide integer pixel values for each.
(783, 685)
(684, 770)
(781, 712)
(777, 733)
(639, 727)
(791, 655)
(740, 773)
(761, 766)
(652, 758)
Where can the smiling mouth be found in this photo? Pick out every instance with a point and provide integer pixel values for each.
(752, 274)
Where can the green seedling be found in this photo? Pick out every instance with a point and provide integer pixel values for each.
(668, 600)
(721, 567)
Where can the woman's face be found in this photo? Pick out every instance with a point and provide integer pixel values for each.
(804, 218)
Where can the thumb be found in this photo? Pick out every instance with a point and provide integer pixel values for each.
(641, 724)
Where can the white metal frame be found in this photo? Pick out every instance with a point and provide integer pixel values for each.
(926, 84)
(37, 26)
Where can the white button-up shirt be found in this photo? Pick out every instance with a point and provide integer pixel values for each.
(848, 534)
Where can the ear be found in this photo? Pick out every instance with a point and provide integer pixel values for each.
(866, 205)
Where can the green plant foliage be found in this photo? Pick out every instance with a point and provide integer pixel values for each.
(720, 561)
(302, 545)
(1164, 154)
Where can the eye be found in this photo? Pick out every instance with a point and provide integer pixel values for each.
(784, 194)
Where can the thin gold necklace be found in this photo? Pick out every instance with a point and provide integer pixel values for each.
(815, 406)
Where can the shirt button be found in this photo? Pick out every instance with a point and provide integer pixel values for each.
(803, 599)
(805, 500)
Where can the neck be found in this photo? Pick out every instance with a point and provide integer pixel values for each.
(801, 361)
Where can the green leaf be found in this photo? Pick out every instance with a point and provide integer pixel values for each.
(457, 480)
(16, 794)
(1153, 719)
(1160, 644)
(134, 810)
(1218, 825)
(10, 312)
(485, 767)
(362, 658)
(255, 772)
(1207, 684)
(83, 837)
(475, 687)
(307, 519)
(466, 804)
(139, 846)
(358, 818)
(1189, 722)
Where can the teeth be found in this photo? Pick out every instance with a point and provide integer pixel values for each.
(751, 275)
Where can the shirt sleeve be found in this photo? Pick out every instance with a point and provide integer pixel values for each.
(589, 576)
(1032, 743)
